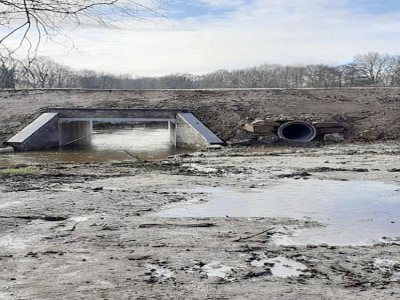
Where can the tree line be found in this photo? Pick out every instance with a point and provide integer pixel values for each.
(370, 69)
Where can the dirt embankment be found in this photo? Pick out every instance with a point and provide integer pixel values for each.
(224, 111)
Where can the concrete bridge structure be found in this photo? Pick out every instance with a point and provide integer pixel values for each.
(59, 127)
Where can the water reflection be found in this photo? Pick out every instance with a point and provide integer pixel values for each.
(109, 144)
(354, 212)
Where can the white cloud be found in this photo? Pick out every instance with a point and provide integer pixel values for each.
(224, 3)
(280, 31)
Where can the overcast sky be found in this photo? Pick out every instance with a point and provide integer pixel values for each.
(205, 35)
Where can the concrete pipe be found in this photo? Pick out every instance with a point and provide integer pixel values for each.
(297, 131)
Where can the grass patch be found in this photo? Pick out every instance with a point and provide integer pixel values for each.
(20, 171)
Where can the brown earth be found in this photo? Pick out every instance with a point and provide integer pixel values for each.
(91, 231)
(224, 111)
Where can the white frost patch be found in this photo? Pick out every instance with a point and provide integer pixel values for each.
(281, 266)
(216, 269)
(160, 272)
(200, 168)
(13, 242)
(11, 203)
(388, 266)
(281, 239)
(4, 296)
(79, 219)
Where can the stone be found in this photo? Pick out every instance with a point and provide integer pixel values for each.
(214, 147)
(265, 123)
(263, 129)
(370, 135)
(327, 125)
(269, 139)
(326, 130)
(6, 149)
(259, 129)
(334, 138)
(243, 142)
(248, 127)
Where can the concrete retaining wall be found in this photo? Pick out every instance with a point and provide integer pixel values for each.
(40, 134)
(191, 133)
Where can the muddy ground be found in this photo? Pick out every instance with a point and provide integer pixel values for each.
(224, 111)
(91, 231)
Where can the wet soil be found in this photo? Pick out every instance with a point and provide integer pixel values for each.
(91, 230)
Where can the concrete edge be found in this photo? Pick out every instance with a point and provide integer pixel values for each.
(202, 129)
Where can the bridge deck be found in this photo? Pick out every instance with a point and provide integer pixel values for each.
(107, 113)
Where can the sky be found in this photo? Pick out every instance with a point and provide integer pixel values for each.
(200, 36)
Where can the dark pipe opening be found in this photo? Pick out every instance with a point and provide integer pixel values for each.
(297, 131)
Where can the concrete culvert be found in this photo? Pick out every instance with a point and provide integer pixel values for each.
(297, 131)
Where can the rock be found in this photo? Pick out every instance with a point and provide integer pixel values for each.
(334, 138)
(244, 142)
(138, 257)
(269, 139)
(328, 125)
(214, 147)
(259, 129)
(265, 123)
(370, 135)
(330, 130)
(251, 274)
(6, 149)
(248, 127)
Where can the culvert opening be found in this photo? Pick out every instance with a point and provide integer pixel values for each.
(140, 139)
(297, 131)
(65, 126)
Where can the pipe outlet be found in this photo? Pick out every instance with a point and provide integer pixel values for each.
(297, 131)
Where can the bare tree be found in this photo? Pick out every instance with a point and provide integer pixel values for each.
(8, 69)
(31, 21)
(373, 67)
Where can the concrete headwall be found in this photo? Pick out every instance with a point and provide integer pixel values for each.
(191, 133)
(40, 134)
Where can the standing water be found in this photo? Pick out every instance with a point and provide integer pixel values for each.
(350, 212)
(148, 143)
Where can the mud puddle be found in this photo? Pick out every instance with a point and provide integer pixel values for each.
(350, 212)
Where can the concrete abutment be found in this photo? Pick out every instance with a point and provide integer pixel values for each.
(74, 132)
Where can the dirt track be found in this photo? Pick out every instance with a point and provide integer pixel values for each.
(224, 110)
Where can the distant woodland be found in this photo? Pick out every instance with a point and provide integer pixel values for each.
(371, 69)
